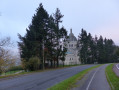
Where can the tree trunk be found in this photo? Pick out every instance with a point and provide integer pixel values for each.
(63, 63)
(51, 63)
(57, 62)
(54, 63)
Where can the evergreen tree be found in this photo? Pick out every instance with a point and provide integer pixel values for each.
(35, 40)
(43, 38)
(60, 33)
(93, 50)
(83, 51)
(100, 50)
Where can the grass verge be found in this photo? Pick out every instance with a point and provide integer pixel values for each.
(112, 78)
(68, 83)
(10, 72)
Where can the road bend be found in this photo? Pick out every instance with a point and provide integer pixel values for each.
(116, 69)
(94, 80)
(41, 80)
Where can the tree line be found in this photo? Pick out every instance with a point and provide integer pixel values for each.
(96, 50)
(42, 42)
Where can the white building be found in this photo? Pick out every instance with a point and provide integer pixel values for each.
(72, 50)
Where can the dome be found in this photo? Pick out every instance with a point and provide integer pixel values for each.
(71, 36)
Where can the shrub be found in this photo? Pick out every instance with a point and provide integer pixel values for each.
(34, 63)
(14, 68)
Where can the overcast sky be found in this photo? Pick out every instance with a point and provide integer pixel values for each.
(99, 17)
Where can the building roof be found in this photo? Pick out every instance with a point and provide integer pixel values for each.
(71, 36)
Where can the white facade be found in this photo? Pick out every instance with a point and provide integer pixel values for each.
(72, 51)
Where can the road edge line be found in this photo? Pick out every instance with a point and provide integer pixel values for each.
(91, 80)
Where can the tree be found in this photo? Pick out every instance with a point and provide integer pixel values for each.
(83, 41)
(96, 50)
(34, 42)
(7, 60)
(91, 49)
(60, 33)
(42, 38)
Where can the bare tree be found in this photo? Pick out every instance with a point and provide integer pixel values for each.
(6, 58)
(5, 42)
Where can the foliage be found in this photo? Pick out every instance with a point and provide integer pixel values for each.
(13, 68)
(34, 63)
(43, 38)
(6, 58)
(92, 50)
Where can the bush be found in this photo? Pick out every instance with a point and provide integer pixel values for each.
(31, 64)
(24, 64)
(34, 63)
(14, 68)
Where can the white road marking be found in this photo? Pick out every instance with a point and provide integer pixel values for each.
(117, 66)
(91, 80)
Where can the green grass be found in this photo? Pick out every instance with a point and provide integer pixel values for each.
(70, 82)
(8, 75)
(10, 72)
(112, 78)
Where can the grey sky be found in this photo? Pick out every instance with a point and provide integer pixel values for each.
(99, 17)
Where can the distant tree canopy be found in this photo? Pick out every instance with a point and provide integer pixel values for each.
(43, 38)
(98, 50)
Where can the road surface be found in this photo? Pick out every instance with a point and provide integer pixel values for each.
(116, 69)
(41, 80)
(94, 80)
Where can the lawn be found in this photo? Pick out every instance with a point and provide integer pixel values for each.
(112, 78)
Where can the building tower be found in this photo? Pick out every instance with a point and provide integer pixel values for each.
(72, 50)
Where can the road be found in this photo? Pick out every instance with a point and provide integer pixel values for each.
(41, 80)
(117, 66)
(94, 80)
(116, 69)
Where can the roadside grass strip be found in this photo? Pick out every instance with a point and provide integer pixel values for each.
(70, 82)
(11, 72)
(112, 78)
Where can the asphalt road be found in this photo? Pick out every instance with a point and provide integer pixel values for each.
(41, 80)
(94, 80)
(116, 69)
(117, 66)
